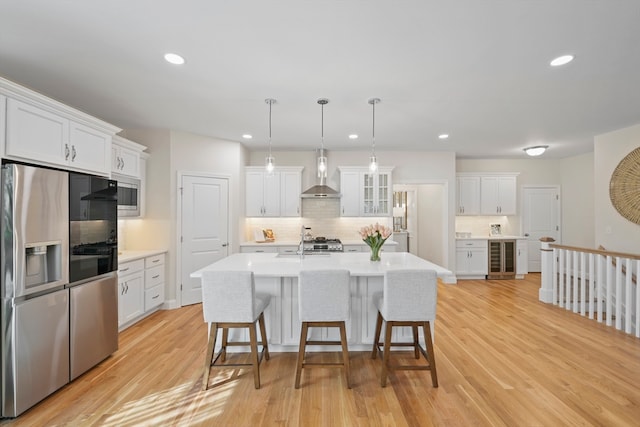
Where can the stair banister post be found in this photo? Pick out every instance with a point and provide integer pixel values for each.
(546, 263)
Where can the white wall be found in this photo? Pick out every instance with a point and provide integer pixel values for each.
(172, 152)
(578, 226)
(411, 167)
(612, 230)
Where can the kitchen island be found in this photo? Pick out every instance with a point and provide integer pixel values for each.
(277, 275)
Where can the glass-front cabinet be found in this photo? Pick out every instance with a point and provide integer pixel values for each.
(373, 191)
(376, 200)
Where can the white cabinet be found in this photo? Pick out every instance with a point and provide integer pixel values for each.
(372, 192)
(290, 190)
(141, 285)
(354, 248)
(273, 195)
(350, 188)
(130, 291)
(37, 134)
(471, 258)
(153, 282)
(498, 195)
(3, 123)
(522, 258)
(259, 249)
(468, 197)
(90, 149)
(125, 157)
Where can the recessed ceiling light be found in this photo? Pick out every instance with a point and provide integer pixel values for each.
(174, 58)
(353, 136)
(247, 136)
(561, 60)
(443, 136)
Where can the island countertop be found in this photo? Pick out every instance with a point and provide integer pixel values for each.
(358, 264)
(277, 275)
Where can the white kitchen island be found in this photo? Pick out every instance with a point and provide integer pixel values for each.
(277, 275)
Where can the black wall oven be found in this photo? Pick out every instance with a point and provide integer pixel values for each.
(93, 226)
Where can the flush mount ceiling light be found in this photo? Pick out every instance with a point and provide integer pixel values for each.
(322, 159)
(247, 136)
(373, 161)
(536, 151)
(269, 160)
(561, 60)
(353, 136)
(443, 136)
(174, 58)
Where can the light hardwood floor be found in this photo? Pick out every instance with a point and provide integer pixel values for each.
(503, 359)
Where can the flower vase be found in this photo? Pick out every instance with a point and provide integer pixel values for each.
(375, 253)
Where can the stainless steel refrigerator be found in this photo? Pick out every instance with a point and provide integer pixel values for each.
(35, 271)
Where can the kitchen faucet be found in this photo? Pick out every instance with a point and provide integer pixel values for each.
(301, 248)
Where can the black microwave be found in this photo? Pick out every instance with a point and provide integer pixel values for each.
(129, 194)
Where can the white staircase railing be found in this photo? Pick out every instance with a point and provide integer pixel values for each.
(596, 283)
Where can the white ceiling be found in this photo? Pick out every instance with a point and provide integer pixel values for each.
(475, 69)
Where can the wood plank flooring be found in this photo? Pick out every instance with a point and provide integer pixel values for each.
(503, 358)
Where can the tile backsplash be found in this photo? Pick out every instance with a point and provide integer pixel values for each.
(479, 225)
(323, 216)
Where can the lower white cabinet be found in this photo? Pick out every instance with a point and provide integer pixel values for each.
(283, 323)
(141, 285)
(471, 259)
(153, 282)
(522, 258)
(130, 291)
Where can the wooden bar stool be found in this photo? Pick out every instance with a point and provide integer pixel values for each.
(324, 300)
(229, 301)
(408, 299)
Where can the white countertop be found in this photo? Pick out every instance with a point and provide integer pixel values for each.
(296, 243)
(126, 256)
(275, 265)
(491, 238)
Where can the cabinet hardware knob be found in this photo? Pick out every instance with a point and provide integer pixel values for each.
(73, 153)
(156, 276)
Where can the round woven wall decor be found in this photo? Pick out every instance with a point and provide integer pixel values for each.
(624, 187)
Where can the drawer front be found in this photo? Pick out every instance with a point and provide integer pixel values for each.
(258, 249)
(153, 297)
(291, 250)
(353, 248)
(152, 261)
(130, 267)
(153, 276)
(468, 244)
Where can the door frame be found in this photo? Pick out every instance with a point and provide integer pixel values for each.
(178, 236)
(557, 189)
(447, 236)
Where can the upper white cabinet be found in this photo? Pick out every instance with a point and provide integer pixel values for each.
(43, 131)
(498, 195)
(468, 200)
(125, 157)
(486, 194)
(273, 195)
(365, 193)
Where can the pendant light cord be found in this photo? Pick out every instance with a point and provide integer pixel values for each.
(270, 104)
(373, 131)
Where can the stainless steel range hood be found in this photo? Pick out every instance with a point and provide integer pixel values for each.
(320, 190)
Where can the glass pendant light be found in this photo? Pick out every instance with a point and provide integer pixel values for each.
(373, 161)
(269, 160)
(322, 159)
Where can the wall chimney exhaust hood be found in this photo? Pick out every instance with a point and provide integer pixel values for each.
(321, 190)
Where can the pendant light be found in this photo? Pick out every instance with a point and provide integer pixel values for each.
(269, 160)
(373, 161)
(322, 159)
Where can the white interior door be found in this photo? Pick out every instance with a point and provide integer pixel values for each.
(205, 229)
(540, 218)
